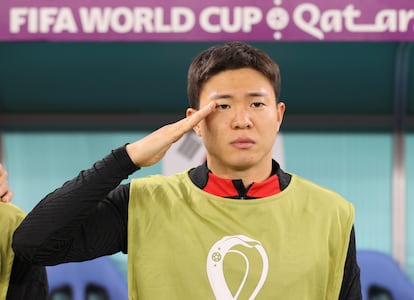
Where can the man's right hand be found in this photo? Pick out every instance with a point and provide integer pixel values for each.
(152, 148)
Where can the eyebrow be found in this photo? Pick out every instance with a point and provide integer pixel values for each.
(257, 94)
(220, 96)
(228, 96)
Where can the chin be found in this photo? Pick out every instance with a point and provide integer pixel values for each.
(243, 164)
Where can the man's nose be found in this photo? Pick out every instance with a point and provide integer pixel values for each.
(241, 119)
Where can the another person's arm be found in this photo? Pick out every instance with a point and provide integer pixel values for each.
(17, 279)
(5, 193)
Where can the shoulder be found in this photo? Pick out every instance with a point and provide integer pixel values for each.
(160, 180)
(160, 185)
(321, 195)
(309, 186)
(10, 215)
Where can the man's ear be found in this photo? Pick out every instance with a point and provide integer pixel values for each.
(196, 128)
(281, 107)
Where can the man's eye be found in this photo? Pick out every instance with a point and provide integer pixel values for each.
(223, 106)
(257, 104)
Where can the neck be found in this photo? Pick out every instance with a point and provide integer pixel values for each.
(248, 175)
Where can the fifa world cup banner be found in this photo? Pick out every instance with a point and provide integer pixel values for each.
(206, 20)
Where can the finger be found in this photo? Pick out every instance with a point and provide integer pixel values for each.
(202, 113)
(7, 197)
(188, 123)
(5, 194)
(3, 183)
(3, 189)
(3, 171)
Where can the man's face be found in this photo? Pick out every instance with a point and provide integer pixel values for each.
(240, 133)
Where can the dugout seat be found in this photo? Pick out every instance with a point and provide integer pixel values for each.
(382, 278)
(97, 279)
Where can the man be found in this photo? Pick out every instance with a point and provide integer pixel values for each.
(236, 227)
(18, 280)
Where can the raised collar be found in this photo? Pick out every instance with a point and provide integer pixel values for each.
(202, 177)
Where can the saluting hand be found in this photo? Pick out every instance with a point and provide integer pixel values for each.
(152, 148)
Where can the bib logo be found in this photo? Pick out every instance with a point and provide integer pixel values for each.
(225, 260)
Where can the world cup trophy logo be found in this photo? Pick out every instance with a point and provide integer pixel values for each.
(231, 256)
